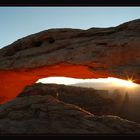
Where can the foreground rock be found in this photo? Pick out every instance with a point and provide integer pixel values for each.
(95, 101)
(92, 53)
(44, 114)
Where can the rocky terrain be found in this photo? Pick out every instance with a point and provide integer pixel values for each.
(89, 99)
(105, 49)
(91, 53)
(43, 112)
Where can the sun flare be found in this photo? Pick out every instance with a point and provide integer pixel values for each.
(110, 81)
(123, 83)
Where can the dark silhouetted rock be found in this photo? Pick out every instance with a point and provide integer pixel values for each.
(44, 114)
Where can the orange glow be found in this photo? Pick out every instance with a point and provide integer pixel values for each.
(13, 82)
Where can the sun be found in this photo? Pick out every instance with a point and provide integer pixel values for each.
(109, 81)
(123, 83)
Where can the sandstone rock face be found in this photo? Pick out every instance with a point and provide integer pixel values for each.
(92, 53)
(45, 114)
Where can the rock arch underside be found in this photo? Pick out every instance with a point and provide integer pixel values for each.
(92, 53)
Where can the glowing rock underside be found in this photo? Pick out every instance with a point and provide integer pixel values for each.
(92, 53)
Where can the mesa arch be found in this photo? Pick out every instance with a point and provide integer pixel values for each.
(92, 53)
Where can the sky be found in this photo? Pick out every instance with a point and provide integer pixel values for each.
(100, 83)
(18, 22)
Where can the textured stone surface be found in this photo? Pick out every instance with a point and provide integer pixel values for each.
(92, 53)
(44, 114)
(98, 48)
(92, 100)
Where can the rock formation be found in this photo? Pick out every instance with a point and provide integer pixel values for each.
(44, 113)
(92, 53)
(97, 102)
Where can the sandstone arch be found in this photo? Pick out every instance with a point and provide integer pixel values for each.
(92, 53)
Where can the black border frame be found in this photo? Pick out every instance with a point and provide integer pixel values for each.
(74, 3)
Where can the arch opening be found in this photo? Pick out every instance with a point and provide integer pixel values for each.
(110, 81)
(13, 82)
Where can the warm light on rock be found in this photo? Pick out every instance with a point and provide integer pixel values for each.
(92, 53)
(13, 82)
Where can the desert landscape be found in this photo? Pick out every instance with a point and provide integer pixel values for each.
(27, 107)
